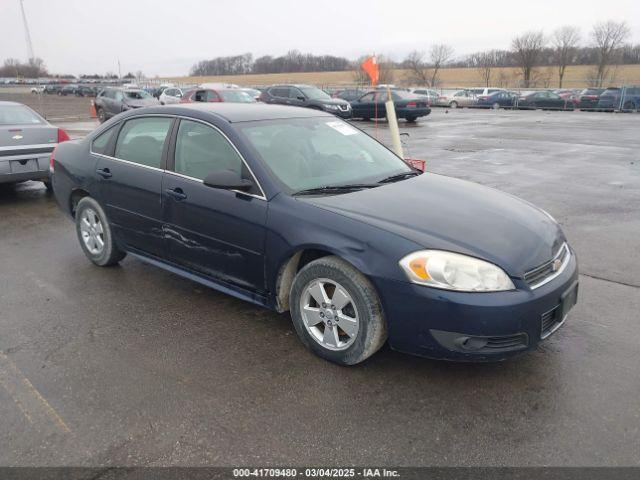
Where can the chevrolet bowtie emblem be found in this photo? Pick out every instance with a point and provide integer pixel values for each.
(556, 265)
(17, 137)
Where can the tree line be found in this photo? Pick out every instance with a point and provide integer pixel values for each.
(292, 61)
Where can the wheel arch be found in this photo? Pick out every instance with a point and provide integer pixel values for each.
(76, 195)
(290, 267)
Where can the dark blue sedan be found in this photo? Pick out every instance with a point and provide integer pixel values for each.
(297, 210)
(496, 100)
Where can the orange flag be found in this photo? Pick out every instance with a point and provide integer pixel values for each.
(370, 65)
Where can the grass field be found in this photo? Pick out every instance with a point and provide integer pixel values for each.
(575, 77)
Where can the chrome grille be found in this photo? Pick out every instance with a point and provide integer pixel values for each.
(549, 270)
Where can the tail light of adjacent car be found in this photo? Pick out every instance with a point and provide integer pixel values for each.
(412, 105)
(62, 136)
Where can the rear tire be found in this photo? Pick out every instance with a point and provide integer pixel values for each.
(453, 105)
(411, 119)
(496, 106)
(95, 235)
(48, 185)
(347, 325)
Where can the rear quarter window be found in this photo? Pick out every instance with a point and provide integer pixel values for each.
(101, 143)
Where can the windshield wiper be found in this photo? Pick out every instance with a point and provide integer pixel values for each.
(336, 188)
(399, 176)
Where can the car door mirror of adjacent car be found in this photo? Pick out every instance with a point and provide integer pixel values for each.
(301, 98)
(227, 180)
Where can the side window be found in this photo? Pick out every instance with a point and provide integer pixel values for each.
(367, 98)
(201, 150)
(119, 96)
(282, 92)
(141, 140)
(101, 142)
(212, 96)
(200, 96)
(295, 93)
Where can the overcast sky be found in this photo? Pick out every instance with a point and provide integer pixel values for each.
(167, 37)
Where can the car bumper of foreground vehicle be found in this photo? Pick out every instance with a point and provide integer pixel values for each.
(462, 326)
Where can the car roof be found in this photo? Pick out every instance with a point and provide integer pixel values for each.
(242, 112)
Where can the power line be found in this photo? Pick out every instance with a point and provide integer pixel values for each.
(26, 31)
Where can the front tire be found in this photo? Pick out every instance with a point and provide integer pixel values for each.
(102, 115)
(453, 105)
(336, 311)
(95, 235)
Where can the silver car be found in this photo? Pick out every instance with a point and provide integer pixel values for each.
(170, 96)
(26, 143)
(456, 98)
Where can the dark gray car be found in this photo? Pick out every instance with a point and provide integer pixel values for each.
(112, 101)
(306, 96)
(26, 143)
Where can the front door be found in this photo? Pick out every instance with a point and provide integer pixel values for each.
(219, 233)
(130, 183)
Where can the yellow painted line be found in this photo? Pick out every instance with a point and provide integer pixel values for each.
(28, 399)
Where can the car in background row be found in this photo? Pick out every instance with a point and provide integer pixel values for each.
(498, 99)
(614, 98)
(210, 95)
(432, 95)
(455, 99)
(53, 89)
(588, 98)
(170, 95)
(545, 99)
(306, 96)
(26, 143)
(407, 105)
(86, 91)
(113, 100)
(68, 90)
(348, 94)
(484, 91)
(253, 92)
(568, 94)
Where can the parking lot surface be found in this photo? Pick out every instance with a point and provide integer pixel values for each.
(135, 366)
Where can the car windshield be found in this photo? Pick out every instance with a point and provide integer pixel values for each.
(307, 153)
(18, 115)
(137, 94)
(236, 96)
(315, 93)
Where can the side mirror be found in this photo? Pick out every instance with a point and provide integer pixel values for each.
(227, 180)
(301, 98)
(179, 95)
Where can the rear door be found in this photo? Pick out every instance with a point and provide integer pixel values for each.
(363, 107)
(130, 181)
(216, 232)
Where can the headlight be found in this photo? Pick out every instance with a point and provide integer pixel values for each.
(453, 271)
(331, 107)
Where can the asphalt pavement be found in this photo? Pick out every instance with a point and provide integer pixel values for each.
(132, 365)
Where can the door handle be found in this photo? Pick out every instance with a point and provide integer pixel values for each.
(176, 193)
(104, 172)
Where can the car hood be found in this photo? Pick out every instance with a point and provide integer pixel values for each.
(445, 213)
(334, 101)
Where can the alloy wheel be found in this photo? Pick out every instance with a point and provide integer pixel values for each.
(329, 314)
(92, 231)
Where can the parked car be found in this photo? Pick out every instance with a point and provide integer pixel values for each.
(545, 100)
(85, 91)
(297, 210)
(432, 95)
(407, 105)
(588, 98)
(496, 100)
(484, 91)
(170, 95)
(113, 100)
(69, 89)
(52, 88)
(209, 95)
(38, 89)
(611, 99)
(306, 96)
(349, 94)
(253, 92)
(569, 95)
(456, 98)
(26, 143)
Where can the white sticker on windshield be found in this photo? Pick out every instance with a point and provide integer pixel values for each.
(343, 128)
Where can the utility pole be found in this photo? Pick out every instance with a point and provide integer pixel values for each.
(26, 31)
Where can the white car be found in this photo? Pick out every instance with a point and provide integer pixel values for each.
(170, 96)
(478, 92)
(38, 89)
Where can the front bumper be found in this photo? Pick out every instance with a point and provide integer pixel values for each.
(434, 323)
(341, 113)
